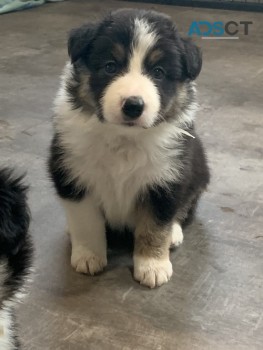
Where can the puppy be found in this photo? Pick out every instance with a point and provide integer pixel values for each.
(125, 152)
(15, 253)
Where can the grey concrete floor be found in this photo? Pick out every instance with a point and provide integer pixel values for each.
(215, 299)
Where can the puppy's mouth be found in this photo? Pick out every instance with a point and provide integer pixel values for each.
(126, 123)
(133, 125)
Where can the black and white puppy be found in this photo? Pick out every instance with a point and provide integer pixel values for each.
(123, 154)
(15, 253)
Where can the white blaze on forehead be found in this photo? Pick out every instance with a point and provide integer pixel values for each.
(144, 39)
(134, 82)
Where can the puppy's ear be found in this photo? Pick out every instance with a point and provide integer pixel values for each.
(191, 59)
(80, 39)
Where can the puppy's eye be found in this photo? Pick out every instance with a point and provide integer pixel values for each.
(158, 73)
(110, 67)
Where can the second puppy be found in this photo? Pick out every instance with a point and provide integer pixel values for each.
(15, 253)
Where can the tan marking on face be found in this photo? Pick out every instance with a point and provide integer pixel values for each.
(85, 94)
(155, 55)
(118, 52)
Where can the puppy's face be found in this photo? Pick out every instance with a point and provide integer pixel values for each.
(134, 66)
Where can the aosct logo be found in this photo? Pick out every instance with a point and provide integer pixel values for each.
(216, 30)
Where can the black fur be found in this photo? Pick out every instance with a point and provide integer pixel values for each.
(191, 59)
(15, 243)
(179, 199)
(79, 41)
(72, 90)
(66, 187)
(14, 216)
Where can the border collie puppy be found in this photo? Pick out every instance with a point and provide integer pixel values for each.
(125, 153)
(15, 253)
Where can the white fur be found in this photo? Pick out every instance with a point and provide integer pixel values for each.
(177, 235)
(6, 333)
(87, 231)
(187, 117)
(134, 82)
(144, 39)
(152, 272)
(116, 162)
(131, 84)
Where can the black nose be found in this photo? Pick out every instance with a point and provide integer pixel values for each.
(133, 107)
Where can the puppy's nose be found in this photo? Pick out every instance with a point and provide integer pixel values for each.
(133, 107)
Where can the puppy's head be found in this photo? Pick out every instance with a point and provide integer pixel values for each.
(133, 67)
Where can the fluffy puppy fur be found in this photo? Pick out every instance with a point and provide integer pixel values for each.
(15, 253)
(122, 153)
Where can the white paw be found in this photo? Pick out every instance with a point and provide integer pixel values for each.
(85, 261)
(152, 272)
(177, 235)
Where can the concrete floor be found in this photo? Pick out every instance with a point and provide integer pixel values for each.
(215, 299)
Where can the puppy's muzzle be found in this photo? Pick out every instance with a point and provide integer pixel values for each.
(132, 108)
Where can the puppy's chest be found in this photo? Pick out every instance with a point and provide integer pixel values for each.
(118, 171)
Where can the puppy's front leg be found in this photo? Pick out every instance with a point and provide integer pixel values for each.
(87, 232)
(152, 266)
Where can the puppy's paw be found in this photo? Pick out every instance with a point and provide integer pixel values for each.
(85, 261)
(152, 272)
(177, 235)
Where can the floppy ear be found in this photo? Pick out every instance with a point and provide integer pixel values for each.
(80, 39)
(191, 59)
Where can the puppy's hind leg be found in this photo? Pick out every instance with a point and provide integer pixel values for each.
(87, 232)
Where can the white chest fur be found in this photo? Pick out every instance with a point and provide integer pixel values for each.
(117, 163)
